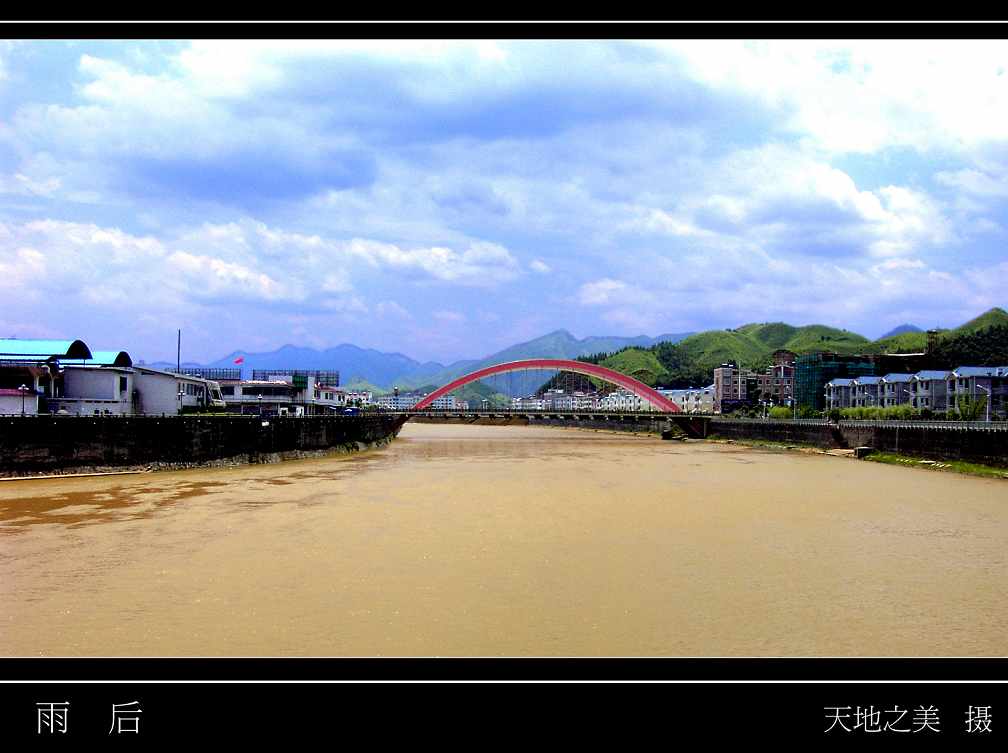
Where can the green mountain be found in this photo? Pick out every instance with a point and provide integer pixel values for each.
(820, 337)
(640, 364)
(995, 317)
(691, 361)
(905, 342)
(360, 384)
(916, 342)
(773, 335)
(901, 329)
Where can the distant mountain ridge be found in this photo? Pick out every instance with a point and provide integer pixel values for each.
(684, 358)
(385, 370)
(901, 330)
(557, 344)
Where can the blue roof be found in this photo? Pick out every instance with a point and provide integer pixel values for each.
(927, 374)
(109, 358)
(897, 377)
(11, 349)
(840, 382)
(867, 380)
(968, 371)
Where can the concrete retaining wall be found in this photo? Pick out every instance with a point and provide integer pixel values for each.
(611, 423)
(940, 443)
(973, 445)
(819, 435)
(51, 443)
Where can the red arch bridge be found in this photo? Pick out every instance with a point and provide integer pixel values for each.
(635, 386)
(660, 408)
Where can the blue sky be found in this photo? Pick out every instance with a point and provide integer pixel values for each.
(447, 199)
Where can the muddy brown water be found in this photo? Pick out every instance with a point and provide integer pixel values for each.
(510, 541)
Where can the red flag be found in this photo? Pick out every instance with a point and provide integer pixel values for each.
(240, 359)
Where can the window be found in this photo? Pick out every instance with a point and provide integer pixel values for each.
(122, 384)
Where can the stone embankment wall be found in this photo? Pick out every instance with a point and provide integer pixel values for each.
(56, 443)
(816, 434)
(970, 444)
(977, 445)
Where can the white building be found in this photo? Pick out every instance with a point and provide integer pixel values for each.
(254, 396)
(398, 402)
(527, 403)
(328, 399)
(135, 390)
(445, 402)
(409, 401)
(359, 397)
(624, 400)
(102, 390)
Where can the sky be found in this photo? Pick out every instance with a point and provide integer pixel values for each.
(448, 199)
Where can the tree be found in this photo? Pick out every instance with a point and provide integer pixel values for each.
(970, 409)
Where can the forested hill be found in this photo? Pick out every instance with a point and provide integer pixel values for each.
(691, 361)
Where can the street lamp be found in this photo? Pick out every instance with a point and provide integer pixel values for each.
(180, 394)
(24, 389)
(260, 405)
(989, 398)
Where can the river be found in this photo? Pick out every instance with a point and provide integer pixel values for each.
(510, 541)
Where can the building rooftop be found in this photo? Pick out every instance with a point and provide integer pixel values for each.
(867, 380)
(930, 374)
(89, 366)
(968, 371)
(109, 358)
(892, 378)
(150, 370)
(840, 382)
(12, 348)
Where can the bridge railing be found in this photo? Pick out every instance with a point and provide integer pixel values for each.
(960, 425)
(793, 421)
(533, 411)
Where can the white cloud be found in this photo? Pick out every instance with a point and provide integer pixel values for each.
(482, 263)
(391, 309)
(867, 95)
(780, 199)
(450, 317)
(495, 148)
(207, 277)
(975, 182)
(607, 291)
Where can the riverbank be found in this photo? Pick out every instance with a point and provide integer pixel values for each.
(44, 446)
(955, 466)
(889, 458)
(232, 462)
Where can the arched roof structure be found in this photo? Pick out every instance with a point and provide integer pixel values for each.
(43, 350)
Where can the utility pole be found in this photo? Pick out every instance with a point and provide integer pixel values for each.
(178, 354)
